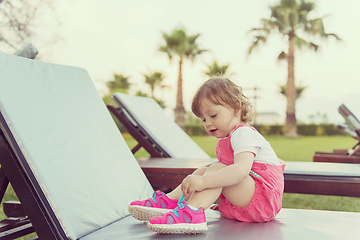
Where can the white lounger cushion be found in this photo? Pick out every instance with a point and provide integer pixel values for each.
(150, 116)
(71, 143)
(322, 169)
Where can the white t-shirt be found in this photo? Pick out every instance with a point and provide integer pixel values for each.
(245, 139)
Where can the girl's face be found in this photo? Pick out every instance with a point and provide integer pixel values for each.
(218, 120)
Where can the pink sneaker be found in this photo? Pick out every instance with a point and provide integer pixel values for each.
(182, 219)
(152, 207)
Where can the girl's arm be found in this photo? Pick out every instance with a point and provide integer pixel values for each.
(224, 177)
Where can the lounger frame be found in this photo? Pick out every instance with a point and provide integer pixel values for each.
(36, 207)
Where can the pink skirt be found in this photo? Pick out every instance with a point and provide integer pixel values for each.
(267, 200)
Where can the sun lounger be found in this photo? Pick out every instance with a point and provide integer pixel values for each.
(61, 151)
(142, 115)
(75, 176)
(352, 128)
(352, 122)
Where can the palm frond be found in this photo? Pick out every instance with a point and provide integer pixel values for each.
(334, 35)
(306, 6)
(192, 39)
(255, 44)
(300, 42)
(268, 25)
(313, 46)
(299, 90)
(282, 56)
(166, 50)
(255, 29)
(252, 47)
(217, 70)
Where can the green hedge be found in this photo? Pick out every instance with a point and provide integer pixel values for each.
(303, 129)
(319, 130)
(195, 130)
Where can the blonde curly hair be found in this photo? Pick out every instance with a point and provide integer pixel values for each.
(222, 91)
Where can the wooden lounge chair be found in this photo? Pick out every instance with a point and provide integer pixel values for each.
(148, 124)
(141, 116)
(61, 151)
(75, 176)
(352, 128)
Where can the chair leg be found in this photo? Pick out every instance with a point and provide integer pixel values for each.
(136, 148)
(4, 182)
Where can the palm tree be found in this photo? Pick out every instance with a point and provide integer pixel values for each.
(216, 70)
(290, 18)
(179, 44)
(154, 80)
(119, 83)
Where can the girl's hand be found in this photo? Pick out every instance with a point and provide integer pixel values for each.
(192, 183)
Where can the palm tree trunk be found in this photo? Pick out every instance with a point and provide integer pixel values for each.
(179, 110)
(152, 91)
(290, 124)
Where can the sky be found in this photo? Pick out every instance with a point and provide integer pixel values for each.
(118, 36)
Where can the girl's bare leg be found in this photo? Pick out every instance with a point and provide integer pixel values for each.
(207, 197)
(177, 193)
(239, 194)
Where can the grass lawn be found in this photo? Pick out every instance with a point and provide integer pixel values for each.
(300, 149)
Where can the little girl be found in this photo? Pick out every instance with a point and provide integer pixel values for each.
(247, 182)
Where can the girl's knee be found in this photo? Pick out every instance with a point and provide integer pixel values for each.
(200, 171)
(212, 168)
(215, 167)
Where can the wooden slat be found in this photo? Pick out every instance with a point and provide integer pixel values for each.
(13, 228)
(336, 158)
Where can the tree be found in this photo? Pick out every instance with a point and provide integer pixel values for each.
(216, 70)
(184, 46)
(290, 19)
(119, 83)
(154, 80)
(17, 22)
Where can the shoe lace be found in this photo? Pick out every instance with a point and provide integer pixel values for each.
(154, 197)
(180, 205)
